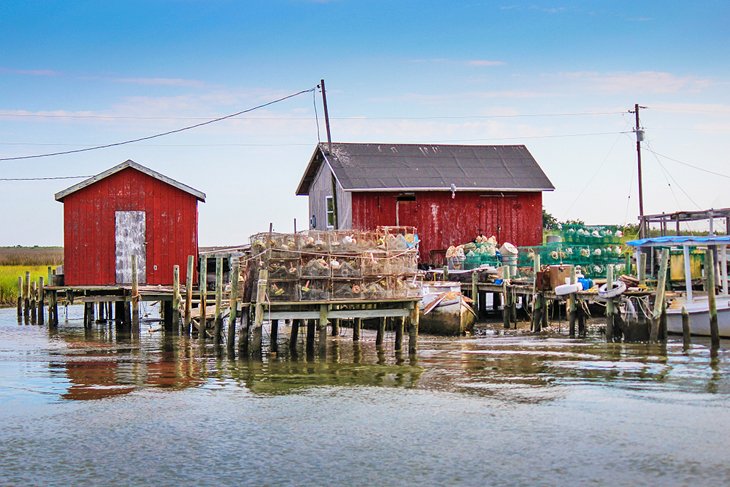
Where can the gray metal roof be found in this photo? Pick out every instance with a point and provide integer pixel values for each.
(428, 167)
(139, 167)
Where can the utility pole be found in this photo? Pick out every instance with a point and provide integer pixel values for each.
(639, 137)
(326, 117)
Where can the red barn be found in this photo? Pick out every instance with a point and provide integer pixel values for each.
(128, 210)
(451, 193)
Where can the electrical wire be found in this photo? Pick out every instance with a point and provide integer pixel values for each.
(688, 164)
(316, 115)
(44, 178)
(673, 179)
(446, 117)
(189, 127)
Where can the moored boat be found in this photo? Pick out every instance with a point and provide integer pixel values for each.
(444, 310)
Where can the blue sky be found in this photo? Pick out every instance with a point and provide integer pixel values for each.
(557, 76)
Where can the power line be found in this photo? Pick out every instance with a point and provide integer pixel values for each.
(688, 164)
(189, 127)
(445, 117)
(44, 178)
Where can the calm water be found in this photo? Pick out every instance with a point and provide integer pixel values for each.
(94, 409)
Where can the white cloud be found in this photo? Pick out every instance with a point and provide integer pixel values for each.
(30, 72)
(484, 62)
(659, 82)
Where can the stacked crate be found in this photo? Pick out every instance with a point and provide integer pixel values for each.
(339, 265)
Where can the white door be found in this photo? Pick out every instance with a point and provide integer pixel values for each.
(129, 235)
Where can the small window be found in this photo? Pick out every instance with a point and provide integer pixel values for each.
(331, 213)
(406, 197)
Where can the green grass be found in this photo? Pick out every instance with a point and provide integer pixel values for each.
(9, 280)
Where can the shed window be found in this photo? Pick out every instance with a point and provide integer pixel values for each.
(331, 213)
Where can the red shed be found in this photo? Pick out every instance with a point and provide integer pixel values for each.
(127, 210)
(451, 193)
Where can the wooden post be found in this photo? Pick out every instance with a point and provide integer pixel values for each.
(537, 303)
(274, 337)
(310, 337)
(381, 332)
(41, 301)
(663, 333)
(175, 298)
(188, 295)
(294, 337)
(686, 331)
(661, 287)
(413, 329)
(202, 305)
(356, 327)
(641, 271)
(610, 307)
(710, 277)
(257, 335)
(243, 335)
(20, 299)
(572, 306)
(53, 311)
(446, 273)
(506, 304)
(33, 304)
(26, 297)
(217, 332)
(475, 291)
(233, 305)
(399, 328)
(322, 330)
(135, 292)
(336, 327)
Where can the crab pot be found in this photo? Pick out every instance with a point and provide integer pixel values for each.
(315, 241)
(314, 290)
(375, 263)
(284, 268)
(315, 266)
(345, 267)
(347, 288)
(376, 288)
(283, 290)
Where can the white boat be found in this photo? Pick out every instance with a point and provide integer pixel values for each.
(697, 306)
(444, 310)
(699, 315)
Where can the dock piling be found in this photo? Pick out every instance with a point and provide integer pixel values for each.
(711, 301)
(323, 330)
(188, 295)
(175, 298)
(686, 331)
(135, 293)
(20, 299)
(413, 330)
(41, 301)
(202, 305)
(217, 323)
(233, 306)
(610, 306)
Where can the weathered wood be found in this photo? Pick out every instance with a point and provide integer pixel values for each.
(274, 337)
(610, 307)
(135, 292)
(663, 333)
(175, 298)
(507, 306)
(188, 294)
(33, 305)
(217, 323)
(413, 329)
(26, 298)
(446, 273)
(41, 301)
(203, 289)
(323, 310)
(686, 330)
(53, 311)
(233, 305)
(475, 290)
(572, 306)
(257, 335)
(310, 337)
(243, 334)
(294, 336)
(20, 299)
(356, 327)
(381, 332)
(661, 288)
(641, 269)
(399, 328)
(711, 302)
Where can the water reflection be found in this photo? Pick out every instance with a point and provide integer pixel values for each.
(103, 362)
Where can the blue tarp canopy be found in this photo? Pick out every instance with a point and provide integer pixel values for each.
(690, 241)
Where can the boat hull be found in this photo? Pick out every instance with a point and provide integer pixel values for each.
(699, 316)
(451, 316)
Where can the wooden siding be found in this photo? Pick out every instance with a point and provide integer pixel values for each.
(321, 188)
(89, 233)
(442, 221)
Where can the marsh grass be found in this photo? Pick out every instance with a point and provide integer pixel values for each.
(15, 261)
